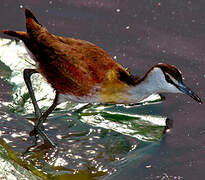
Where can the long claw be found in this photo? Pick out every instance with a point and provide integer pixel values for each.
(45, 137)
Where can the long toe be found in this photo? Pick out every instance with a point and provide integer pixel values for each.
(47, 140)
(34, 132)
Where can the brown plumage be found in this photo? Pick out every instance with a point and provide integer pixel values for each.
(71, 65)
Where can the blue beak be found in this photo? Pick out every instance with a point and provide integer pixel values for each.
(189, 92)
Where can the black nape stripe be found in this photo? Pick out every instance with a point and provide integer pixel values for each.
(168, 79)
(127, 78)
(170, 70)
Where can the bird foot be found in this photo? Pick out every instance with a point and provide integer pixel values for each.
(39, 130)
(34, 132)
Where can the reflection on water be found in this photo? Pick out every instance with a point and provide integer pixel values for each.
(91, 139)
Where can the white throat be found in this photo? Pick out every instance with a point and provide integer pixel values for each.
(153, 83)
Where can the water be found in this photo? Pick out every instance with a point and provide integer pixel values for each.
(111, 142)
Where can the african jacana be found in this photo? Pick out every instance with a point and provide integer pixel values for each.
(82, 72)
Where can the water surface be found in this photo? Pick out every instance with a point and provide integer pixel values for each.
(137, 35)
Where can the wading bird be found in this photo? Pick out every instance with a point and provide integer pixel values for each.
(80, 71)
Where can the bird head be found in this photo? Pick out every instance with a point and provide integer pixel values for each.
(169, 79)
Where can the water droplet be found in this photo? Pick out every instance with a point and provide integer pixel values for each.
(118, 10)
(148, 166)
(21, 6)
(127, 27)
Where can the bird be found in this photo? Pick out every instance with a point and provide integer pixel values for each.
(80, 71)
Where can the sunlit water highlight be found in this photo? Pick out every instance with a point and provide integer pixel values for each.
(92, 140)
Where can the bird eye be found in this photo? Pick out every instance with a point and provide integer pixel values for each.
(168, 79)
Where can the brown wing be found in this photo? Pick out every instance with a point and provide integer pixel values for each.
(78, 65)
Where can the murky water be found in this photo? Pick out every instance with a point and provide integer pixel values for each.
(115, 141)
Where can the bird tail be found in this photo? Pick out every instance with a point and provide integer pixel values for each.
(32, 26)
(17, 34)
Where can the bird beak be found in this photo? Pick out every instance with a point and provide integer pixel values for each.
(189, 92)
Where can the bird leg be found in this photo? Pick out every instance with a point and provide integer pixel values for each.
(42, 119)
(27, 78)
(38, 128)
